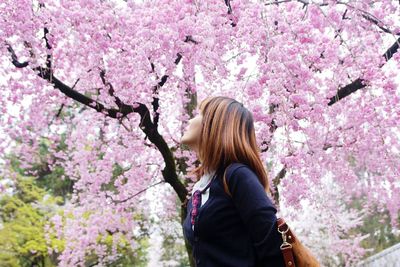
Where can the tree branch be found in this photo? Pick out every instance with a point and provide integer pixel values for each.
(146, 125)
(342, 93)
(155, 103)
(48, 46)
(375, 21)
(228, 4)
(276, 181)
(136, 194)
(272, 127)
(359, 83)
(14, 59)
(111, 91)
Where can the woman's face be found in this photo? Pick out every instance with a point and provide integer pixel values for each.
(192, 133)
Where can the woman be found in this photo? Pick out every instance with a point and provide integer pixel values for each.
(230, 219)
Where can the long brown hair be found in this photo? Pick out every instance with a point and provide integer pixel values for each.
(228, 136)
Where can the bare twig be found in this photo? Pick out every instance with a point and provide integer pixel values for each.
(136, 194)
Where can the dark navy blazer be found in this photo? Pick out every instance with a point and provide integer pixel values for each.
(235, 231)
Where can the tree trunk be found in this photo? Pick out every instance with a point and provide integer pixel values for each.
(189, 248)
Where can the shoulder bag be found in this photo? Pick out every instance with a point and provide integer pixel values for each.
(295, 254)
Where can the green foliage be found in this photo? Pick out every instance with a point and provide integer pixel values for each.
(52, 180)
(128, 256)
(377, 225)
(118, 171)
(173, 246)
(38, 194)
(174, 250)
(22, 237)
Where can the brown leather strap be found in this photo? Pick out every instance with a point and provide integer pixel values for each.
(282, 226)
(288, 256)
(286, 248)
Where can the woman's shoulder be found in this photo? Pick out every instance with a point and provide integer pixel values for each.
(238, 173)
(238, 168)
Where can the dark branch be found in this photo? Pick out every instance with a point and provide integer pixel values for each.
(14, 58)
(178, 58)
(342, 93)
(48, 46)
(277, 2)
(146, 125)
(59, 110)
(272, 127)
(347, 90)
(136, 194)
(189, 39)
(392, 50)
(87, 101)
(378, 23)
(121, 106)
(228, 4)
(276, 181)
(359, 83)
(156, 101)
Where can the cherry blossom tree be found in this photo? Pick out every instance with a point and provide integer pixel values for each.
(121, 79)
